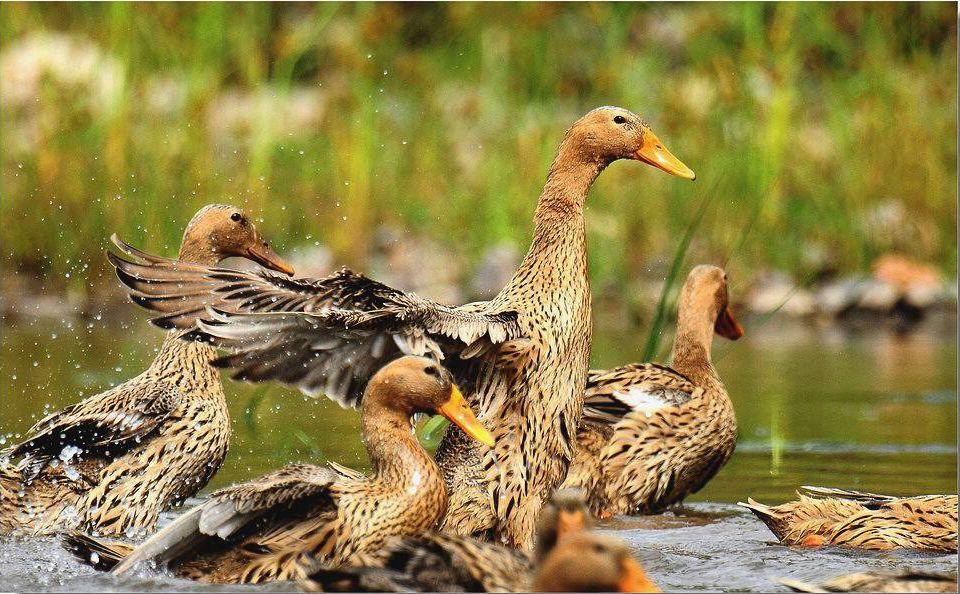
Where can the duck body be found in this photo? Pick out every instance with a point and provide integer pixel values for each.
(522, 356)
(824, 516)
(652, 434)
(900, 580)
(113, 462)
(566, 558)
(269, 528)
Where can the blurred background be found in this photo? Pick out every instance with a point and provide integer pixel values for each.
(411, 142)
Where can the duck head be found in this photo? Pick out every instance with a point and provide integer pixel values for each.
(412, 384)
(586, 562)
(705, 291)
(219, 231)
(566, 513)
(607, 134)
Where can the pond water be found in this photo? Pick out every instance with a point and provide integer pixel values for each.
(867, 410)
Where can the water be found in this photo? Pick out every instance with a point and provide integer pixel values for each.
(864, 410)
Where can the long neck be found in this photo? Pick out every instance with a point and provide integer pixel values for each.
(691, 348)
(395, 453)
(559, 233)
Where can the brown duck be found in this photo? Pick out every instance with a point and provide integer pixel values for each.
(824, 516)
(521, 357)
(898, 580)
(651, 435)
(112, 462)
(438, 562)
(267, 529)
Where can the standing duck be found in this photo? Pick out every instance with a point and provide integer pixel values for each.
(522, 356)
(824, 516)
(651, 435)
(112, 462)
(438, 562)
(267, 529)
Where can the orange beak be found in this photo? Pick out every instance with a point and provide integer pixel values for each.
(654, 153)
(264, 255)
(727, 326)
(458, 412)
(634, 579)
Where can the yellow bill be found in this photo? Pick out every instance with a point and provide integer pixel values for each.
(459, 413)
(654, 153)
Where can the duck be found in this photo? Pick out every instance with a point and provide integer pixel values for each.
(881, 580)
(651, 435)
(113, 461)
(853, 519)
(522, 357)
(267, 529)
(567, 557)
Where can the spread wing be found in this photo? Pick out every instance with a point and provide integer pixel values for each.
(325, 335)
(229, 510)
(639, 387)
(108, 421)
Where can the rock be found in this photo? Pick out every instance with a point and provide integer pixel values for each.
(877, 295)
(777, 291)
(838, 296)
(904, 272)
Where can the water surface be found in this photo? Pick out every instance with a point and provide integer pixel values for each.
(864, 410)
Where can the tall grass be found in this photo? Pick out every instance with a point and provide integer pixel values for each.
(828, 129)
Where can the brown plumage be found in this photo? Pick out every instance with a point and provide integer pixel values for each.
(268, 528)
(438, 562)
(522, 356)
(112, 462)
(651, 435)
(852, 519)
(898, 580)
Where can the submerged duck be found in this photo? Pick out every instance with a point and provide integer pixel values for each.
(651, 435)
(522, 355)
(267, 529)
(566, 558)
(825, 516)
(112, 462)
(900, 580)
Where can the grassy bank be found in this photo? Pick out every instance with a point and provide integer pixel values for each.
(826, 134)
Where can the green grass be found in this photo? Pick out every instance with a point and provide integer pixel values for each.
(442, 119)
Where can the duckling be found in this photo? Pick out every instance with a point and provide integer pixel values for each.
(652, 435)
(440, 562)
(112, 462)
(268, 528)
(899, 580)
(825, 516)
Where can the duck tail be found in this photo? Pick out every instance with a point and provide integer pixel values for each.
(762, 511)
(101, 554)
(858, 496)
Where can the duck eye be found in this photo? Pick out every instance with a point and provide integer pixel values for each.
(236, 217)
(619, 119)
(432, 370)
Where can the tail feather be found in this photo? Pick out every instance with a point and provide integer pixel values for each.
(101, 554)
(858, 496)
(762, 511)
(168, 543)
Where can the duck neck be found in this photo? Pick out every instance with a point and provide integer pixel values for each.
(189, 362)
(691, 348)
(559, 238)
(396, 455)
(198, 249)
